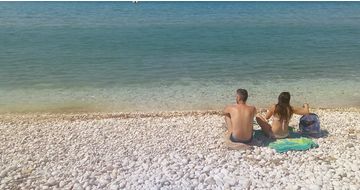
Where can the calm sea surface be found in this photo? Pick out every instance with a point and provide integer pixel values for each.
(120, 56)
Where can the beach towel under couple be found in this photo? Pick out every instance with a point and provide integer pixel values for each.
(295, 142)
(309, 126)
(284, 145)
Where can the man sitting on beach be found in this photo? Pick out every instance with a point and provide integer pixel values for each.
(239, 119)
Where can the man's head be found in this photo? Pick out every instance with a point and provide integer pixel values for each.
(241, 95)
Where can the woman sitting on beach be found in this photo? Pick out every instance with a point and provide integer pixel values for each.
(281, 114)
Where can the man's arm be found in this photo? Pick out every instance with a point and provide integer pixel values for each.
(302, 111)
(227, 115)
(226, 111)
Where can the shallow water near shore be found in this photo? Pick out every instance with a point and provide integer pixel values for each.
(158, 56)
(196, 96)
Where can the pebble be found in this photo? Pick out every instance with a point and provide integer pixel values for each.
(225, 172)
(229, 181)
(122, 185)
(335, 183)
(103, 182)
(210, 180)
(202, 177)
(206, 169)
(244, 182)
(354, 167)
(3, 173)
(62, 184)
(219, 181)
(354, 187)
(77, 186)
(314, 187)
(51, 182)
(114, 187)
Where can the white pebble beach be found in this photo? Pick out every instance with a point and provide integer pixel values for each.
(175, 150)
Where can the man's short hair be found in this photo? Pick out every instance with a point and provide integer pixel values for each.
(242, 93)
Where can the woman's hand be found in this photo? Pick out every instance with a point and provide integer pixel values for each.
(306, 105)
(302, 111)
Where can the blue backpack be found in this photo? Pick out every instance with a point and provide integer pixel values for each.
(310, 125)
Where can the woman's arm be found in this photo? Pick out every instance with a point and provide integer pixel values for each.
(270, 112)
(302, 111)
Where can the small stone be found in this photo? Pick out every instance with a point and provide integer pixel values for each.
(206, 169)
(202, 177)
(314, 187)
(335, 183)
(122, 185)
(166, 183)
(354, 167)
(77, 186)
(229, 180)
(86, 184)
(51, 182)
(62, 184)
(218, 181)
(292, 187)
(114, 187)
(109, 168)
(54, 173)
(224, 171)
(106, 177)
(185, 161)
(200, 186)
(103, 182)
(210, 181)
(354, 187)
(6, 180)
(226, 186)
(3, 173)
(319, 182)
(339, 171)
(164, 163)
(244, 182)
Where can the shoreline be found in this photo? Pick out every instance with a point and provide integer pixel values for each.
(136, 114)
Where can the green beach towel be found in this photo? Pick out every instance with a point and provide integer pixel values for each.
(284, 145)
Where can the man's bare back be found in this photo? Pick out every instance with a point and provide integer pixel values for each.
(239, 118)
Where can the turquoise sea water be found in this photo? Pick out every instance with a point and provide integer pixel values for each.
(120, 56)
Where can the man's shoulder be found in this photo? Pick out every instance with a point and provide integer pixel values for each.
(246, 107)
(229, 108)
(250, 107)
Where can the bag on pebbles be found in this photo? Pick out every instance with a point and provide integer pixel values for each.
(309, 125)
